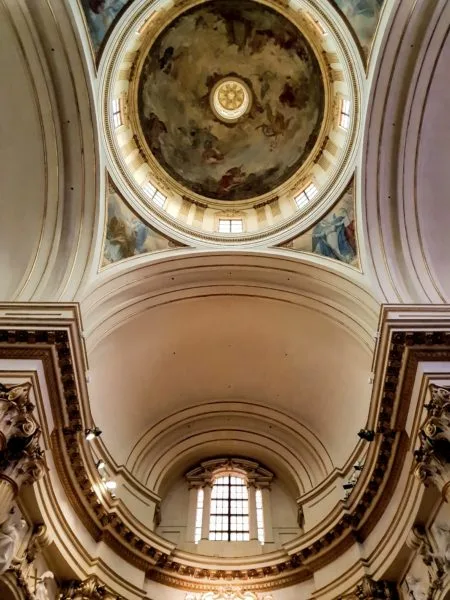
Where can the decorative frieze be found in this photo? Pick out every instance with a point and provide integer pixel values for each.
(433, 454)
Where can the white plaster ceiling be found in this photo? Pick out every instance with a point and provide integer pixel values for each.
(230, 347)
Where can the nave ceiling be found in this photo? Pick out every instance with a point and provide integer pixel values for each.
(200, 343)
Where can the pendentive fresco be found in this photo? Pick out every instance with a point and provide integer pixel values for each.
(363, 16)
(231, 99)
(126, 235)
(334, 236)
(100, 14)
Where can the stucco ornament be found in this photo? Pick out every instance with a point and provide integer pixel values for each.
(433, 453)
(228, 593)
(10, 532)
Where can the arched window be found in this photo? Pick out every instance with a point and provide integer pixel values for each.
(229, 501)
(229, 519)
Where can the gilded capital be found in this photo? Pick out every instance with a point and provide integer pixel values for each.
(433, 455)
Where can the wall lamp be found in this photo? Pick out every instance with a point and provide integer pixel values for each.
(367, 434)
(100, 464)
(110, 484)
(92, 433)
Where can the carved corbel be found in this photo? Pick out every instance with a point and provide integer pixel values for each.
(433, 454)
(370, 589)
(89, 589)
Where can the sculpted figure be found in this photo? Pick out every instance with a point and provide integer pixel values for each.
(41, 592)
(9, 537)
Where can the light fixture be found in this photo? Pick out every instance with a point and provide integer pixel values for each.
(92, 433)
(110, 484)
(348, 485)
(367, 434)
(100, 464)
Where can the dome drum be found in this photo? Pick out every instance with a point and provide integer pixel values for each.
(231, 135)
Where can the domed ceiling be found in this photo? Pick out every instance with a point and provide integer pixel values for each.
(223, 119)
(230, 99)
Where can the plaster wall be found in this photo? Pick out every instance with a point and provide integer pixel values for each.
(22, 159)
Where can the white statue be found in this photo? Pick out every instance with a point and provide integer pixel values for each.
(9, 537)
(41, 592)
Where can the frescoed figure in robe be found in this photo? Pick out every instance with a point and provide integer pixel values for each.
(99, 15)
(333, 237)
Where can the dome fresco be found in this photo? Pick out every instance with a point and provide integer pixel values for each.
(207, 65)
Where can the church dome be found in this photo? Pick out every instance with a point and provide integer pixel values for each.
(230, 121)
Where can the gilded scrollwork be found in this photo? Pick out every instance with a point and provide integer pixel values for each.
(88, 589)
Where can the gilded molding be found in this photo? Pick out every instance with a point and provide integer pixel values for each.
(356, 521)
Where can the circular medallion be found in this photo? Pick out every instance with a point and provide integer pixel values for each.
(230, 99)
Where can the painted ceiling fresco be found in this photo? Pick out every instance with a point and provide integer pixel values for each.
(100, 15)
(263, 148)
(126, 234)
(334, 236)
(363, 16)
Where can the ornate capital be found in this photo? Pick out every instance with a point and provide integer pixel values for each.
(369, 589)
(433, 454)
(16, 419)
(89, 589)
(23, 461)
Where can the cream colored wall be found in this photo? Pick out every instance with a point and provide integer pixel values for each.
(284, 514)
(22, 161)
(174, 513)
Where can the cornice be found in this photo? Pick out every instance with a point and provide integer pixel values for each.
(400, 350)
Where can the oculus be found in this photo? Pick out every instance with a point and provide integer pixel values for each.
(230, 99)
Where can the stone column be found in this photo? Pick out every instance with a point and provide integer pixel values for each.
(253, 523)
(267, 514)
(21, 460)
(207, 490)
(192, 512)
(433, 455)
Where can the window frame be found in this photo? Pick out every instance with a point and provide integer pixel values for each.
(229, 533)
